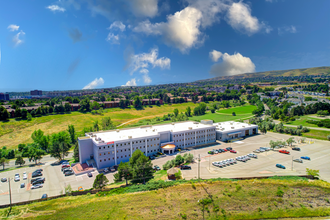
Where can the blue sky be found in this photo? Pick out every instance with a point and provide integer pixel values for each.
(71, 44)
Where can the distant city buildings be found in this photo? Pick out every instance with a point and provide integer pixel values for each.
(4, 96)
(36, 92)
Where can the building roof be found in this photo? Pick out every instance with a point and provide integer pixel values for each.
(146, 131)
(232, 127)
(168, 146)
(172, 171)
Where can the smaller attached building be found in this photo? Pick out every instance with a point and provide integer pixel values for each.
(230, 130)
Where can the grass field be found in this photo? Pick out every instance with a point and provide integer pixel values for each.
(241, 110)
(245, 199)
(15, 132)
(317, 134)
(302, 121)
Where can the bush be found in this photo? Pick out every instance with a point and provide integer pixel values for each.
(279, 192)
(328, 137)
(234, 114)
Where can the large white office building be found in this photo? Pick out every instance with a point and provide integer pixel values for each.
(108, 148)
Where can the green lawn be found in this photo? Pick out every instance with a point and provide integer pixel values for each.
(302, 121)
(317, 134)
(219, 118)
(246, 109)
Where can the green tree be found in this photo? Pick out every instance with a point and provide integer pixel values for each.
(95, 105)
(35, 154)
(3, 162)
(60, 145)
(179, 160)
(37, 135)
(290, 141)
(188, 157)
(100, 181)
(188, 111)
(124, 171)
(67, 107)
(96, 126)
(176, 112)
(141, 166)
(72, 133)
(19, 161)
(107, 123)
(314, 173)
(76, 152)
(137, 102)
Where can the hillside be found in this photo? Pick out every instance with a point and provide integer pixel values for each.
(245, 199)
(276, 73)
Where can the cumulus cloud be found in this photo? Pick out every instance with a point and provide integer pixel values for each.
(55, 8)
(131, 82)
(287, 29)
(13, 27)
(95, 83)
(239, 17)
(112, 38)
(215, 55)
(117, 25)
(181, 29)
(75, 34)
(233, 65)
(146, 77)
(144, 8)
(16, 39)
(144, 60)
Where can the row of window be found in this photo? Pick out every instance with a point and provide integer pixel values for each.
(197, 142)
(129, 149)
(194, 138)
(124, 156)
(133, 147)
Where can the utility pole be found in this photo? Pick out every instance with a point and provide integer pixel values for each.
(292, 164)
(9, 192)
(209, 162)
(199, 165)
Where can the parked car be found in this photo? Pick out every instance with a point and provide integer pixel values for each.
(185, 167)
(221, 150)
(35, 174)
(44, 196)
(24, 176)
(38, 170)
(156, 167)
(225, 150)
(69, 173)
(152, 157)
(37, 179)
(252, 156)
(22, 185)
(89, 174)
(17, 177)
(256, 151)
(106, 170)
(305, 158)
(298, 160)
(262, 150)
(233, 151)
(210, 152)
(296, 148)
(36, 186)
(284, 151)
(229, 148)
(65, 166)
(3, 179)
(280, 166)
(68, 170)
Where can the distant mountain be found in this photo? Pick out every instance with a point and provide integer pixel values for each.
(276, 73)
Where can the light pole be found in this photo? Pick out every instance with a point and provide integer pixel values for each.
(199, 164)
(292, 164)
(9, 192)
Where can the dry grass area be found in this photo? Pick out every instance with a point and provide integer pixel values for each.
(15, 132)
(247, 199)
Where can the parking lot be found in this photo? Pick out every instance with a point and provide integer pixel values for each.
(263, 166)
(55, 183)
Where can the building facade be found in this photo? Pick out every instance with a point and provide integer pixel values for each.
(4, 96)
(109, 148)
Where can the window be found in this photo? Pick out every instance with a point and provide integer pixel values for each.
(121, 150)
(99, 148)
(117, 157)
(113, 151)
(108, 158)
(108, 152)
(105, 159)
(100, 160)
(129, 155)
(104, 147)
(125, 144)
(100, 154)
(117, 151)
(121, 156)
(154, 145)
(108, 146)
(125, 149)
(104, 154)
(125, 155)
(113, 158)
(148, 151)
(121, 144)
(133, 148)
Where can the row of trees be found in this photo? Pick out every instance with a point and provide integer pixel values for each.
(178, 160)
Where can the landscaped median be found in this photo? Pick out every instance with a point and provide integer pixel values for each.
(215, 199)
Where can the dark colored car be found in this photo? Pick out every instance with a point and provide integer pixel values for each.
(284, 151)
(280, 166)
(44, 196)
(210, 152)
(152, 157)
(233, 151)
(229, 148)
(185, 167)
(35, 174)
(221, 150)
(296, 148)
(22, 185)
(38, 170)
(3, 179)
(40, 181)
(89, 174)
(305, 158)
(68, 170)
(69, 173)
(36, 179)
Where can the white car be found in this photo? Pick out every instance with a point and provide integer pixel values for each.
(24, 176)
(256, 151)
(17, 178)
(36, 186)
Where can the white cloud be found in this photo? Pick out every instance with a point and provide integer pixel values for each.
(146, 77)
(181, 29)
(113, 39)
(232, 65)
(287, 29)
(55, 8)
(239, 17)
(13, 27)
(95, 83)
(117, 25)
(215, 55)
(16, 39)
(143, 60)
(131, 82)
(144, 8)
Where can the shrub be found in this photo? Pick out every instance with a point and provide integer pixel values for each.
(234, 114)
(238, 188)
(279, 192)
